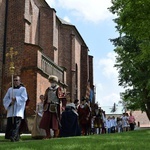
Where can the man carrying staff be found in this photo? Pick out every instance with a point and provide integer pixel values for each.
(14, 102)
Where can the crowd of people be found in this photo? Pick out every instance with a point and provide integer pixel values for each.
(119, 124)
(55, 120)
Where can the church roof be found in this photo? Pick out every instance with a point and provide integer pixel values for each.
(64, 22)
(108, 110)
(71, 25)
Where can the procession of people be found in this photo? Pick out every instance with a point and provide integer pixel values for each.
(52, 120)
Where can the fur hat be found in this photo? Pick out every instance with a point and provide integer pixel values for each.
(83, 99)
(76, 101)
(53, 78)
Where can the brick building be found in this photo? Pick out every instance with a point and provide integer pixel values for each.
(46, 45)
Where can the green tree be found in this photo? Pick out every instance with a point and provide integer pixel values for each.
(133, 51)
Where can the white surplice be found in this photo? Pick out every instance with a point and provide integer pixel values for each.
(19, 106)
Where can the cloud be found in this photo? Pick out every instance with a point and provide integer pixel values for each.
(52, 3)
(107, 66)
(110, 99)
(107, 95)
(88, 10)
(67, 19)
(107, 89)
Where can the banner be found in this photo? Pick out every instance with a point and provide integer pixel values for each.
(91, 95)
(87, 95)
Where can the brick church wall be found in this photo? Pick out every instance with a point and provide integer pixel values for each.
(84, 69)
(91, 71)
(34, 79)
(64, 52)
(72, 55)
(2, 29)
(46, 31)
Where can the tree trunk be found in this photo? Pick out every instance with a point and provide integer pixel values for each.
(148, 110)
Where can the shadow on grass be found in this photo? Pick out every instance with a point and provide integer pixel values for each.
(23, 138)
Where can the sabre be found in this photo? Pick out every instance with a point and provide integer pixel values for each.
(57, 116)
(12, 53)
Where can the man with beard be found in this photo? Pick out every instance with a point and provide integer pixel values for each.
(51, 108)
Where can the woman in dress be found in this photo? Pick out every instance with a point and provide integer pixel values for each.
(36, 131)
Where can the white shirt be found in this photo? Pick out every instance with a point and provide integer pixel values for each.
(124, 121)
(113, 123)
(19, 106)
(108, 123)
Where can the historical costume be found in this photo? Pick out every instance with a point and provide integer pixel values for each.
(24, 122)
(14, 102)
(104, 122)
(69, 122)
(98, 119)
(76, 102)
(51, 116)
(84, 117)
(36, 131)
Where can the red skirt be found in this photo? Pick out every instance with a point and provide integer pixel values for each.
(49, 121)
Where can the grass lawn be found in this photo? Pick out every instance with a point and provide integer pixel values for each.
(132, 140)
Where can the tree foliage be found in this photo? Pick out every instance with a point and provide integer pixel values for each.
(133, 51)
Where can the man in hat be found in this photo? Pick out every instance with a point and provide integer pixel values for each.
(51, 115)
(76, 102)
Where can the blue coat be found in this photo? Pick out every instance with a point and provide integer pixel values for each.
(69, 123)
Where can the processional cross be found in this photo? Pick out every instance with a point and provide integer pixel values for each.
(12, 53)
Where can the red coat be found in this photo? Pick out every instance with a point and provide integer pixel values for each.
(84, 114)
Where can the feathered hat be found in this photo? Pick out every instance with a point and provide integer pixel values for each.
(53, 78)
(83, 99)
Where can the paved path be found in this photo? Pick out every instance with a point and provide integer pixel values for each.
(3, 134)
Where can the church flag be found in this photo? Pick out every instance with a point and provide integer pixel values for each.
(87, 95)
(91, 95)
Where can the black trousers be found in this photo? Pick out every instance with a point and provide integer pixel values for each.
(12, 127)
(113, 129)
(131, 126)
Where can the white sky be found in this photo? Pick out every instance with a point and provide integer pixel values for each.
(94, 23)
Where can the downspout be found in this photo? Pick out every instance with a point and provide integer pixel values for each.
(3, 62)
(5, 32)
(4, 43)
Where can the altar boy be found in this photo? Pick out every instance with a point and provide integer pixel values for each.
(14, 102)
